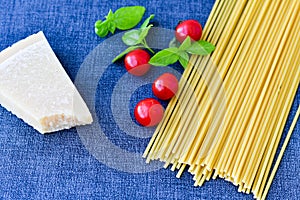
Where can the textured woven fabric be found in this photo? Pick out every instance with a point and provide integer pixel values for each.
(58, 166)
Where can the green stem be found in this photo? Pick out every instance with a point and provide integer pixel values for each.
(147, 47)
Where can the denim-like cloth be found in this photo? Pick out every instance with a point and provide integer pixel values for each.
(58, 166)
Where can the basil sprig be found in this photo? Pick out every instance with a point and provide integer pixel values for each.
(136, 38)
(181, 52)
(124, 18)
(128, 17)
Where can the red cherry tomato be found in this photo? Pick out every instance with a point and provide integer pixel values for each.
(165, 86)
(190, 28)
(136, 62)
(149, 112)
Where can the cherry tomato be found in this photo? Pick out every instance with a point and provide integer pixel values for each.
(190, 28)
(148, 112)
(165, 86)
(136, 62)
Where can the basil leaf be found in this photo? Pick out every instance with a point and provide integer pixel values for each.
(146, 22)
(101, 28)
(184, 59)
(98, 23)
(125, 52)
(131, 37)
(112, 27)
(128, 17)
(144, 33)
(201, 48)
(207, 45)
(185, 44)
(165, 57)
(110, 15)
(174, 43)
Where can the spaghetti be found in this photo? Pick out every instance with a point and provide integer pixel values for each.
(232, 128)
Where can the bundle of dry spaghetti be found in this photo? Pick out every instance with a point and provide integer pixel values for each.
(229, 114)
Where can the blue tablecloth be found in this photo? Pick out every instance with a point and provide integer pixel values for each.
(58, 166)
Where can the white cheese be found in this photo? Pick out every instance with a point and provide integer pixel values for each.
(35, 87)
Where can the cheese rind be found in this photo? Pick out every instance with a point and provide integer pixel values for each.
(35, 87)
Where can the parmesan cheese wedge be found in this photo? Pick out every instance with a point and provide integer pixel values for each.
(35, 87)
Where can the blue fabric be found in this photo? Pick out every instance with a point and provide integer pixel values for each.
(58, 166)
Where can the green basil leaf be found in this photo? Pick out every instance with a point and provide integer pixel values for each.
(128, 17)
(110, 15)
(174, 43)
(98, 23)
(146, 22)
(165, 57)
(201, 48)
(185, 44)
(101, 28)
(184, 59)
(125, 52)
(112, 27)
(131, 37)
(144, 33)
